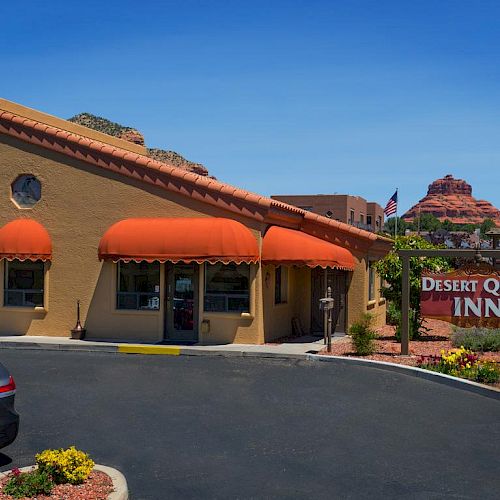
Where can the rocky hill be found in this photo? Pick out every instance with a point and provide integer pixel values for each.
(177, 160)
(451, 199)
(132, 135)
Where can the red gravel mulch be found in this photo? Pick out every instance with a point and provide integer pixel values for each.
(388, 349)
(97, 487)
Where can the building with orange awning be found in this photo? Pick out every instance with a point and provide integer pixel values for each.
(158, 254)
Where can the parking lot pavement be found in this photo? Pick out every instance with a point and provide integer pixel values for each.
(212, 427)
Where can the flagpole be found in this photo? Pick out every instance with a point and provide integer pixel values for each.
(396, 219)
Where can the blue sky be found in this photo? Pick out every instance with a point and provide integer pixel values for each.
(290, 97)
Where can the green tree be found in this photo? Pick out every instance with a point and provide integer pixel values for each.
(389, 226)
(448, 225)
(427, 222)
(469, 228)
(390, 269)
(486, 226)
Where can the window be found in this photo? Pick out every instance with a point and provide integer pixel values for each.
(281, 285)
(24, 282)
(371, 281)
(369, 220)
(227, 287)
(379, 222)
(351, 217)
(361, 218)
(138, 286)
(26, 191)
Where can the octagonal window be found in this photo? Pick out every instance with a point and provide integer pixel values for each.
(26, 191)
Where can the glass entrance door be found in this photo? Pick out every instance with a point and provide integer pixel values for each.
(181, 319)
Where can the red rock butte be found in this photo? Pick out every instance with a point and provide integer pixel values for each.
(451, 199)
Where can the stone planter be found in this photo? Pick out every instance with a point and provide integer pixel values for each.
(119, 482)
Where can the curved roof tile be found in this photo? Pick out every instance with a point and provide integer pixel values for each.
(124, 162)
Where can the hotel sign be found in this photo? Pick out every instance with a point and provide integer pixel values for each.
(466, 297)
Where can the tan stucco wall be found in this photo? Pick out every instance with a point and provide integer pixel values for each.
(228, 328)
(104, 321)
(357, 299)
(79, 203)
(377, 306)
(278, 317)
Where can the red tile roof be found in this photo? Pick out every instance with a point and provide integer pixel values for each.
(177, 180)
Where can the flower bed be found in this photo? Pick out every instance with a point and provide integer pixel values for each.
(436, 340)
(62, 473)
(463, 363)
(98, 486)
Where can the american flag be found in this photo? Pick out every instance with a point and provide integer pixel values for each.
(392, 205)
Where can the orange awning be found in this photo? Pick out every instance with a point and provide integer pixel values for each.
(283, 246)
(25, 239)
(183, 239)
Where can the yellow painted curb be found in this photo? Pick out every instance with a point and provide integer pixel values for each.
(149, 349)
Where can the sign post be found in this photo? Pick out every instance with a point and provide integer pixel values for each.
(405, 307)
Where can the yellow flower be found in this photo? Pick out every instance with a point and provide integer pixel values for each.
(66, 466)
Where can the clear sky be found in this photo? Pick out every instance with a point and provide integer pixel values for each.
(286, 97)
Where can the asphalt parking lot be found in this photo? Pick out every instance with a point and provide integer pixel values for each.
(211, 427)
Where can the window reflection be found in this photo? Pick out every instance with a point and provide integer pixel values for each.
(138, 285)
(227, 287)
(24, 283)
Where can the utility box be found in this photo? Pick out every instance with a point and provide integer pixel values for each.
(205, 326)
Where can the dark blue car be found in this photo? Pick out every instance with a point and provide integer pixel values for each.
(9, 419)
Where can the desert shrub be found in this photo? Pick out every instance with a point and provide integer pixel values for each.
(393, 315)
(477, 339)
(462, 363)
(363, 335)
(416, 326)
(28, 484)
(65, 466)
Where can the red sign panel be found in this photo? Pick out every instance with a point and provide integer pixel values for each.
(466, 297)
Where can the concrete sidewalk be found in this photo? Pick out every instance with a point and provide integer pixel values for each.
(295, 348)
(304, 348)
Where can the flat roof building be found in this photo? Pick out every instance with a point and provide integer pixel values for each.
(353, 210)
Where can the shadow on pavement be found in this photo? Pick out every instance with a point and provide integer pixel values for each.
(4, 460)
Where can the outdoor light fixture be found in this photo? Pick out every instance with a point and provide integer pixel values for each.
(78, 333)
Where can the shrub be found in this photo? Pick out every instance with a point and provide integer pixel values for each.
(487, 373)
(416, 327)
(390, 269)
(462, 363)
(363, 335)
(28, 484)
(65, 466)
(477, 339)
(393, 315)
